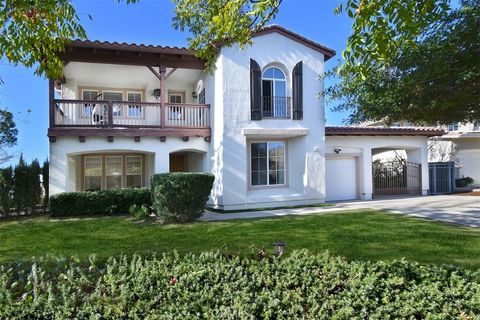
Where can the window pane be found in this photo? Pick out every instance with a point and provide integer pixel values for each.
(114, 182)
(134, 181)
(113, 166)
(278, 74)
(134, 96)
(89, 95)
(258, 164)
(276, 163)
(117, 96)
(93, 183)
(93, 166)
(134, 165)
(268, 73)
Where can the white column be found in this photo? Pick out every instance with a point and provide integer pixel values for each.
(366, 176)
(420, 156)
(162, 162)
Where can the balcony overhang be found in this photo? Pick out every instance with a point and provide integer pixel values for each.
(130, 54)
(129, 132)
(275, 133)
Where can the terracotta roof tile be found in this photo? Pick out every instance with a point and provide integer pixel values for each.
(129, 46)
(382, 131)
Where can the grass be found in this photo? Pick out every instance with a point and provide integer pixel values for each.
(360, 235)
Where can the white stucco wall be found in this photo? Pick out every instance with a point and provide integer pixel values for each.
(232, 118)
(365, 147)
(65, 159)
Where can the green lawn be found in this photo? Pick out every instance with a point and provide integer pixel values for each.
(365, 235)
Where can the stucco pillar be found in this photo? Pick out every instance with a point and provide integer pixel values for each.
(315, 175)
(420, 156)
(366, 177)
(162, 162)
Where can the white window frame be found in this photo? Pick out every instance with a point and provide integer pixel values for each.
(109, 175)
(285, 169)
(274, 80)
(122, 99)
(85, 169)
(83, 114)
(140, 107)
(126, 167)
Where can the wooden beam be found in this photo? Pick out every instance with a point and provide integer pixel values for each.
(163, 69)
(129, 132)
(154, 72)
(170, 73)
(51, 98)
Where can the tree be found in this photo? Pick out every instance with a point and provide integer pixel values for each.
(6, 188)
(8, 134)
(217, 23)
(21, 188)
(434, 80)
(33, 32)
(45, 183)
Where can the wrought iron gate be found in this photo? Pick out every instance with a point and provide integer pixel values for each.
(442, 177)
(398, 179)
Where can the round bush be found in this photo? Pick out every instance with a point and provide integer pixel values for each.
(180, 196)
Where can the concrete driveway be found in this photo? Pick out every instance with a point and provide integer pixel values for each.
(464, 210)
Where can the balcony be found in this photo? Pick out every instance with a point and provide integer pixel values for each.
(276, 107)
(111, 118)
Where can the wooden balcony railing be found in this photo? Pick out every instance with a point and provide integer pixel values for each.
(125, 114)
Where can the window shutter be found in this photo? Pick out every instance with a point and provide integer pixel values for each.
(255, 90)
(297, 91)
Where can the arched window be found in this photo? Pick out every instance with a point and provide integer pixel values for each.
(274, 92)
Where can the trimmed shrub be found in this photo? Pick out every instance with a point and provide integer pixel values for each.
(139, 212)
(180, 196)
(211, 286)
(463, 182)
(98, 202)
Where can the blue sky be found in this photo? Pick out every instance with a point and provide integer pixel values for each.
(148, 22)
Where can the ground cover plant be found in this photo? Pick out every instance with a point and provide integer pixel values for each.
(359, 235)
(214, 286)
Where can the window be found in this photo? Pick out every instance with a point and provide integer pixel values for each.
(87, 107)
(134, 171)
(134, 110)
(201, 97)
(267, 163)
(93, 173)
(274, 93)
(114, 96)
(112, 171)
(176, 97)
(453, 127)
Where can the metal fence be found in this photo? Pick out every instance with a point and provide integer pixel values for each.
(442, 177)
(400, 179)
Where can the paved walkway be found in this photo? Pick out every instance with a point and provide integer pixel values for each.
(463, 210)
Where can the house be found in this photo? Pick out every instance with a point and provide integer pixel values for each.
(123, 112)
(461, 143)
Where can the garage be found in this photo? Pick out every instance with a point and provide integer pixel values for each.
(341, 179)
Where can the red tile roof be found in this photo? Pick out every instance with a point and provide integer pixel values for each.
(129, 47)
(382, 131)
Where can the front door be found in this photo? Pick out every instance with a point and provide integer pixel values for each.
(178, 163)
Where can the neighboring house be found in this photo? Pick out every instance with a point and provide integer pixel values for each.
(123, 112)
(461, 144)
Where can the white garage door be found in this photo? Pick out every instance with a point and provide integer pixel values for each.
(341, 179)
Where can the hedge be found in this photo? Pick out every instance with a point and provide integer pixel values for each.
(98, 202)
(180, 196)
(211, 286)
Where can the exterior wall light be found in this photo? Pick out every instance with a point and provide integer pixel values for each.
(337, 151)
(194, 95)
(156, 93)
(279, 248)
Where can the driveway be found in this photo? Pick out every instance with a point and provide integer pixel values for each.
(464, 210)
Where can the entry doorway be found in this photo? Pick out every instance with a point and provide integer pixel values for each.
(178, 162)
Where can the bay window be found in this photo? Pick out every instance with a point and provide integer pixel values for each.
(267, 163)
(112, 171)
